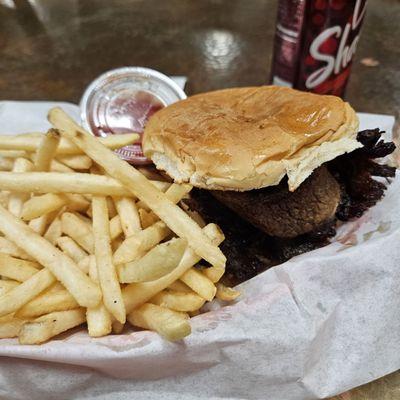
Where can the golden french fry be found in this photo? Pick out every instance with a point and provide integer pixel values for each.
(107, 274)
(214, 274)
(6, 164)
(174, 217)
(37, 206)
(98, 318)
(13, 154)
(112, 211)
(54, 230)
(85, 219)
(175, 193)
(117, 327)
(46, 150)
(115, 244)
(39, 225)
(84, 264)
(199, 283)
(226, 293)
(135, 294)
(16, 200)
(17, 269)
(159, 261)
(74, 227)
(47, 326)
(47, 302)
(67, 272)
(170, 324)
(178, 301)
(11, 328)
(57, 167)
(4, 198)
(11, 249)
(115, 227)
(128, 215)
(25, 292)
(134, 246)
(7, 285)
(77, 202)
(179, 286)
(77, 162)
(31, 144)
(146, 218)
(71, 248)
(62, 182)
(161, 185)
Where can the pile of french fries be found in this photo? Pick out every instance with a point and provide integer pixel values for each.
(87, 238)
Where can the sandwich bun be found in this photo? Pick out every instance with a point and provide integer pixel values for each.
(249, 138)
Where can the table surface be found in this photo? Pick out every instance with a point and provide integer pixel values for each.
(54, 49)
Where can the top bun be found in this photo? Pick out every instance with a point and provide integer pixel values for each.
(249, 138)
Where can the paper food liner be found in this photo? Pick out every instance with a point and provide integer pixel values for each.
(313, 327)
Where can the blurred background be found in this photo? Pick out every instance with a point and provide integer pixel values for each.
(51, 49)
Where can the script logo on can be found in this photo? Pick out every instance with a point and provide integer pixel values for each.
(338, 62)
(315, 42)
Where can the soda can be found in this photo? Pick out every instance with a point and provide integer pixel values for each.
(122, 100)
(315, 42)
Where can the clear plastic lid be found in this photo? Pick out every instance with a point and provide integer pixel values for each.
(122, 100)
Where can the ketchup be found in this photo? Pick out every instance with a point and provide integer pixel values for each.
(126, 112)
(122, 101)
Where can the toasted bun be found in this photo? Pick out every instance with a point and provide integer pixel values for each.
(249, 138)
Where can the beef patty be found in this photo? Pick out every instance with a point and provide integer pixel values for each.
(250, 251)
(284, 214)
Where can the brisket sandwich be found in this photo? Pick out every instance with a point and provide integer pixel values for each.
(274, 167)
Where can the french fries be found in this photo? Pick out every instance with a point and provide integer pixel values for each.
(78, 284)
(41, 205)
(62, 182)
(8, 247)
(46, 150)
(77, 229)
(178, 301)
(134, 246)
(16, 200)
(17, 269)
(47, 302)
(31, 144)
(77, 162)
(47, 326)
(98, 318)
(54, 230)
(6, 164)
(107, 274)
(226, 293)
(84, 237)
(6, 286)
(199, 283)
(175, 218)
(71, 248)
(158, 262)
(170, 324)
(17, 297)
(115, 227)
(128, 215)
(10, 328)
(136, 294)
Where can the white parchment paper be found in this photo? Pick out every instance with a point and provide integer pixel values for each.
(319, 324)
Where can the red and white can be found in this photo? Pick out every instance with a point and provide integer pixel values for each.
(315, 42)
